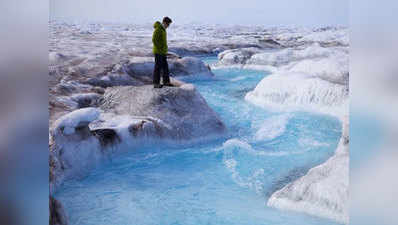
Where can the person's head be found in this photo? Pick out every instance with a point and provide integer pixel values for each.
(166, 22)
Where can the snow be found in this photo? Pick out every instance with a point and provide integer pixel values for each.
(69, 122)
(276, 58)
(308, 77)
(331, 35)
(334, 69)
(296, 91)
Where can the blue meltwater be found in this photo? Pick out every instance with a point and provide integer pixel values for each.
(225, 181)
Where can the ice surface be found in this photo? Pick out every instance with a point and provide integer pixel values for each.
(279, 57)
(69, 122)
(183, 109)
(309, 78)
(296, 91)
(323, 191)
(309, 72)
(143, 66)
(334, 69)
(331, 36)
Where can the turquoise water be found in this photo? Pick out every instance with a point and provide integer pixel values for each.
(227, 181)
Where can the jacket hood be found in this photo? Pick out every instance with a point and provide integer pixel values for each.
(157, 25)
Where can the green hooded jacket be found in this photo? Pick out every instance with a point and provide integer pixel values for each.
(159, 39)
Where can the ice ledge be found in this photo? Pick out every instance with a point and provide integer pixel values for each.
(129, 118)
(323, 191)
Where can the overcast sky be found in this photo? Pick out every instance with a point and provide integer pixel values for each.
(245, 12)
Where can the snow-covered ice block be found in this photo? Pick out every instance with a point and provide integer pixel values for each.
(298, 91)
(333, 69)
(183, 109)
(67, 123)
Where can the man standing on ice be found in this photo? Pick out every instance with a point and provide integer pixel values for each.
(159, 40)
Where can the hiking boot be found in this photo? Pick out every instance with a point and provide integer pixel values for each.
(157, 86)
(168, 84)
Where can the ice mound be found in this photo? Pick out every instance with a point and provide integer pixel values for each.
(183, 109)
(76, 82)
(70, 122)
(298, 91)
(143, 66)
(140, 66)
(188, 66)
(333, 69)
(330, 64)
(116, 79)
(84, 138)
(236, 56)
(86, 99)
(277, 58)
(313, 78)
(73, 147)
(128, 118)
(323, 191)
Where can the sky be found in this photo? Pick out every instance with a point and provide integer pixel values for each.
(244, 12)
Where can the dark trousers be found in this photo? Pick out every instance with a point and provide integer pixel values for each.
(161, 64)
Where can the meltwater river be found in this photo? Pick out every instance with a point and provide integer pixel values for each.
(226, 181)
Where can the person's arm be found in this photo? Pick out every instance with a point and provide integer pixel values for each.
(158, 40)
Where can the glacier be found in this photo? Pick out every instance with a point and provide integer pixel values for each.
(102, 106)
